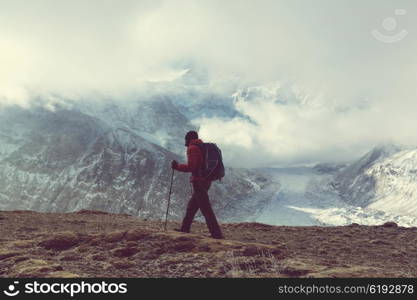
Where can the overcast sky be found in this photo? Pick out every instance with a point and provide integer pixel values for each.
(365, 84)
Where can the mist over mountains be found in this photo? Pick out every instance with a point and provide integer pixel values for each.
(95, 99)
(344, 91)
(114, 156)
(111, 158)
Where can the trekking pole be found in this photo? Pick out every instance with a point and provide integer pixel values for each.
(169, 200)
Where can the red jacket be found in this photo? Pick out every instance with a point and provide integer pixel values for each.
(194, 160)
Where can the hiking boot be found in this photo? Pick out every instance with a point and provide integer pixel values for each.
(218, 237)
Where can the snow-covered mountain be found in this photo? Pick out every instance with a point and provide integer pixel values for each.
(277, 92)
(161, 118)
(156, 119)
(385, 179)
(115, 155)
(354, 184)
(67, 160)
(379, 187)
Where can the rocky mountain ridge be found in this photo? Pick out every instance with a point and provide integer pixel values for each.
(66, 160)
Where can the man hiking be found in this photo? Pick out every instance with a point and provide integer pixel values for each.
(199, 199)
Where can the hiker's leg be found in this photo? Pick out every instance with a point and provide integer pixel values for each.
(192, 208)
(206, 209)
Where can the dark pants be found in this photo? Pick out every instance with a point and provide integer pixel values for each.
(200, 200)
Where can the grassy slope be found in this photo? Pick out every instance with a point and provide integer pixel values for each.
(94, 244)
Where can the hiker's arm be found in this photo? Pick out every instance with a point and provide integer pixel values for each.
(193, 157)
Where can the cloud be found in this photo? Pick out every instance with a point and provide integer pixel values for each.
(73, 48)
(300, 131)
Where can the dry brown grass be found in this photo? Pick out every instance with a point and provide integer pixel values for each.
(92, 244)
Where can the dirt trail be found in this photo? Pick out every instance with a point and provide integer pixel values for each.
(96, 244)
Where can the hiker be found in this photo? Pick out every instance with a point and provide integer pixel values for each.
(199, 199)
